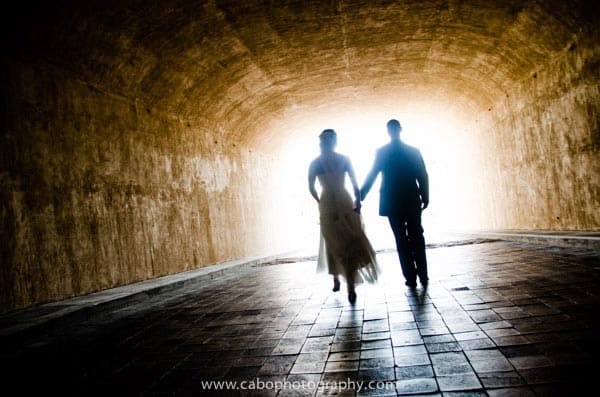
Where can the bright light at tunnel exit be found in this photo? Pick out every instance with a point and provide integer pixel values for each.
(447, 152)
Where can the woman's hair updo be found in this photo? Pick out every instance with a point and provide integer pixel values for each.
(328, 136)
(328, 140)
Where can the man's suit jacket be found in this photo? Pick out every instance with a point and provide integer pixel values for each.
(404, 184)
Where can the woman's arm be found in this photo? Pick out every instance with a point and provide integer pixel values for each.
(352, 175)
(312, 177)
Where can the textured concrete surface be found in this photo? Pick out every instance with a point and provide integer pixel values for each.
(543, 141)
(113, 194)
(498, 319)
(139, 139)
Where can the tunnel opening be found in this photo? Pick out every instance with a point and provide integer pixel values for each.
(444, 140)
(143, 140)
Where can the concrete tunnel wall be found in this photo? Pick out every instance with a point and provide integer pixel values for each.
(543, 140)
(140, 139)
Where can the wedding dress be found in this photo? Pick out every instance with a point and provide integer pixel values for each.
(344, 247)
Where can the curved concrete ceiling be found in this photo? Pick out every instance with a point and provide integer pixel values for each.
(237, 64)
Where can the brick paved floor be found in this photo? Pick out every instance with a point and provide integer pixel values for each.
(498, 319)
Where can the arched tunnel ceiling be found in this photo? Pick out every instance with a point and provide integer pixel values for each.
(237, 63)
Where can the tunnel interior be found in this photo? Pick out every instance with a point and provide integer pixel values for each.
(147, 138)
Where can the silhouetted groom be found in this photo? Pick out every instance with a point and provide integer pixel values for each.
(404, 195)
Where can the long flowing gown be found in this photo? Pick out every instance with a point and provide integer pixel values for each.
(344, 247)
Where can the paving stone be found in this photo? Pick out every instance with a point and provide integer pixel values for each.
(375, 312)
(496, 364)
(349, 322)
(415, 371)
(348, 334)
(411, 360)
(501, 379)
(403, 316)
(342, 366)
(311, 357)
(483, 354)
(338, 377)
(520, 351)
(261, 351)
(381, 362)
(494, 333)
(438, 338)
(308, 367)
(376, 344)
(475, 344)
(317, 344)
(450, 358)
(249, 361)
(317, 331)
(242, 372)
(510, 340)
(483, 316)
(377, 374)
(512, 392)
(345, 346)
(458, 382)
(377, 353)
(434, 330)
(345, 356)
(495, 324)
(470, 335)
(452, 368)
(524, 362)
(408, 350)
(511, 312)
(277, 365)
(288, 346)
(443, 347)
(465, 328)
(376, 325)
(416, 386)
(402, 326)
(544, 375)
(406, 337)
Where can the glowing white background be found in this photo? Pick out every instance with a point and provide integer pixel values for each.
(446, 148)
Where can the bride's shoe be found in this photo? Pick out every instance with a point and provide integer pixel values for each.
(336, 285)
(352, 297)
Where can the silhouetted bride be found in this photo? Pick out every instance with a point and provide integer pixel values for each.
(344, 247)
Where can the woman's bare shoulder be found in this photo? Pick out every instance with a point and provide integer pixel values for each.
(316, 166)
(344, 159)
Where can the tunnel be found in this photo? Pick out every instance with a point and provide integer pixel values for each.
(147, 139)
(142, 139)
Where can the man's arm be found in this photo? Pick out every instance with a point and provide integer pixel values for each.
(423, 180)
(371, 177)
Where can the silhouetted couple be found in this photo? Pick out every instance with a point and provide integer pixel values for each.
(345, 250)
